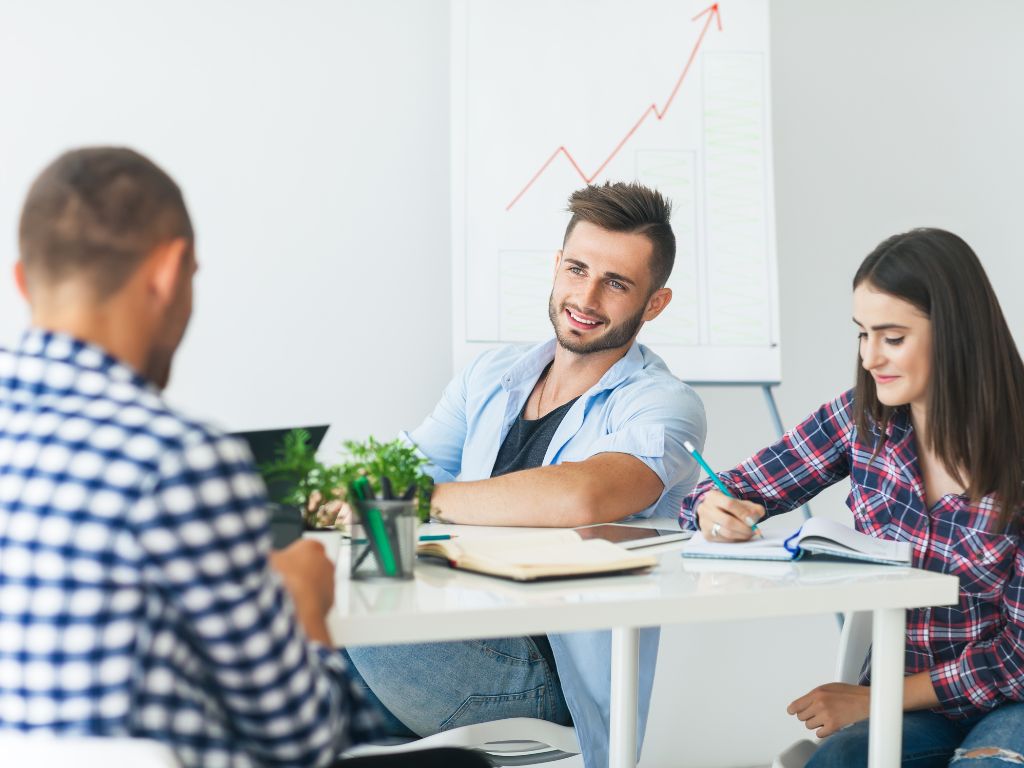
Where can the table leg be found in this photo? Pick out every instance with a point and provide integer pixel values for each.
(625, 684)
(888, 643)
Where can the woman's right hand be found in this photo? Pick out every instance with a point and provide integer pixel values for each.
(724, 519)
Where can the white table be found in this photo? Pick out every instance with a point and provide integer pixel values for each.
(445, 604)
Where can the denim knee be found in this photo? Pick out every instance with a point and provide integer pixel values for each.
(986, 757)
(431, 687)
(844, 749)
(995, 739)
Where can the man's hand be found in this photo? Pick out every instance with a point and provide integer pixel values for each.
(830, 707)
(309, 578)
(722, 518)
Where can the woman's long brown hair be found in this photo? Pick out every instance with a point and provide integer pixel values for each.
(976, 394)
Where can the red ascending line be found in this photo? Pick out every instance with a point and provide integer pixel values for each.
(713, 15)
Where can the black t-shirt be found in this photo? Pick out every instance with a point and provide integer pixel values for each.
(524, 447)
(527, 441)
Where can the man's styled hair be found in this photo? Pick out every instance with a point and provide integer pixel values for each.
(97, 213)
(631, 208)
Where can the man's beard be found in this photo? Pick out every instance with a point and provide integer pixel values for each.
(615, 337)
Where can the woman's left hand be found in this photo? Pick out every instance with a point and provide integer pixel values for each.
(830, 707)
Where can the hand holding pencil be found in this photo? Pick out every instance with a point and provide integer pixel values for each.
(721, 516)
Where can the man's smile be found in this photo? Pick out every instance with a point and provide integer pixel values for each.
(581, 322)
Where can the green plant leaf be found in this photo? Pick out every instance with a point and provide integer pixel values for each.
(309, 478)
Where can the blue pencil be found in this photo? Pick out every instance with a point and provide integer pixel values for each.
(714, 478)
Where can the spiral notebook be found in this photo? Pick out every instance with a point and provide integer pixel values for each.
(817, 538)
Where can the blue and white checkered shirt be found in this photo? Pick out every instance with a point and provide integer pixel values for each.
(135, 593)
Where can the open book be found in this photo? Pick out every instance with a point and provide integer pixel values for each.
(816, 536)
(539, 555)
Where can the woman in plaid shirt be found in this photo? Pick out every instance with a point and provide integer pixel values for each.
(932, 439)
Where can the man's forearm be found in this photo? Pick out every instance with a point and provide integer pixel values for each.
(540, 500)
(560, 496)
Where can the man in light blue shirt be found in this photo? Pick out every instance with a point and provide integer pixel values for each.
(585, 428)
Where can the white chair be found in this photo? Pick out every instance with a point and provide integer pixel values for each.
(37, 750)
(513, 741)
(854, 645)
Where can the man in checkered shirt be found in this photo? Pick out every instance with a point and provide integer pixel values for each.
(138, 594)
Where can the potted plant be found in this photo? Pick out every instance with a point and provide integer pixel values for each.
(380, 489)
(320, 491)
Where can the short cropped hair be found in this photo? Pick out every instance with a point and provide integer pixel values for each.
(632, 208)
(96, 213)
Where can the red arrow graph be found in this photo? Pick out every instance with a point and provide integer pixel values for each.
(712, 14)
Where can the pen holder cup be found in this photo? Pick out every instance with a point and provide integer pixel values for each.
(384, 537)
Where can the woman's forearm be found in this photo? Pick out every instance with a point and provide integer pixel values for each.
(918, 692)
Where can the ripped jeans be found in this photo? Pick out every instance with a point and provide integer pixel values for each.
(992, 740)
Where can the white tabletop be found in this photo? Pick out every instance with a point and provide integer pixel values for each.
(446, 604)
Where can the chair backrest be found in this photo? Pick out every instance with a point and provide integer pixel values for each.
(37, 750)
(854, 646)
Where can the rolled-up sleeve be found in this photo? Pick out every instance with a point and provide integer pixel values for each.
(651, 425)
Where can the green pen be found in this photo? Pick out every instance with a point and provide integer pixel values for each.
(714, 478)
(375, 528)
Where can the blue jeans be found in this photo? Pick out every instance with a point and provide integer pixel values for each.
(430, 687)
(987, 741)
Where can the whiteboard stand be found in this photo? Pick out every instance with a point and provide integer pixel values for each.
(773, 410)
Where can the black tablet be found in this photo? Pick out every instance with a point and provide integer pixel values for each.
(632, 536)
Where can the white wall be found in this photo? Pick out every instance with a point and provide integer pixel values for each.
(326, 293)
(311, 140)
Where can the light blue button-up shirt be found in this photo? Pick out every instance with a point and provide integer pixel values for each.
(637, 408)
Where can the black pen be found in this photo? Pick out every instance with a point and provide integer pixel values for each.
(385, 488)
(364, 488)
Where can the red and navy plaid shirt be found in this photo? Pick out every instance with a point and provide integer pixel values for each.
(974, 651)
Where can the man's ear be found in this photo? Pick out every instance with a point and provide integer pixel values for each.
(657, 303)
(166, 263)
(20, 280)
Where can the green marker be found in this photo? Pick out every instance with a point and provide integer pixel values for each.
(714, 478)
(375, 528)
